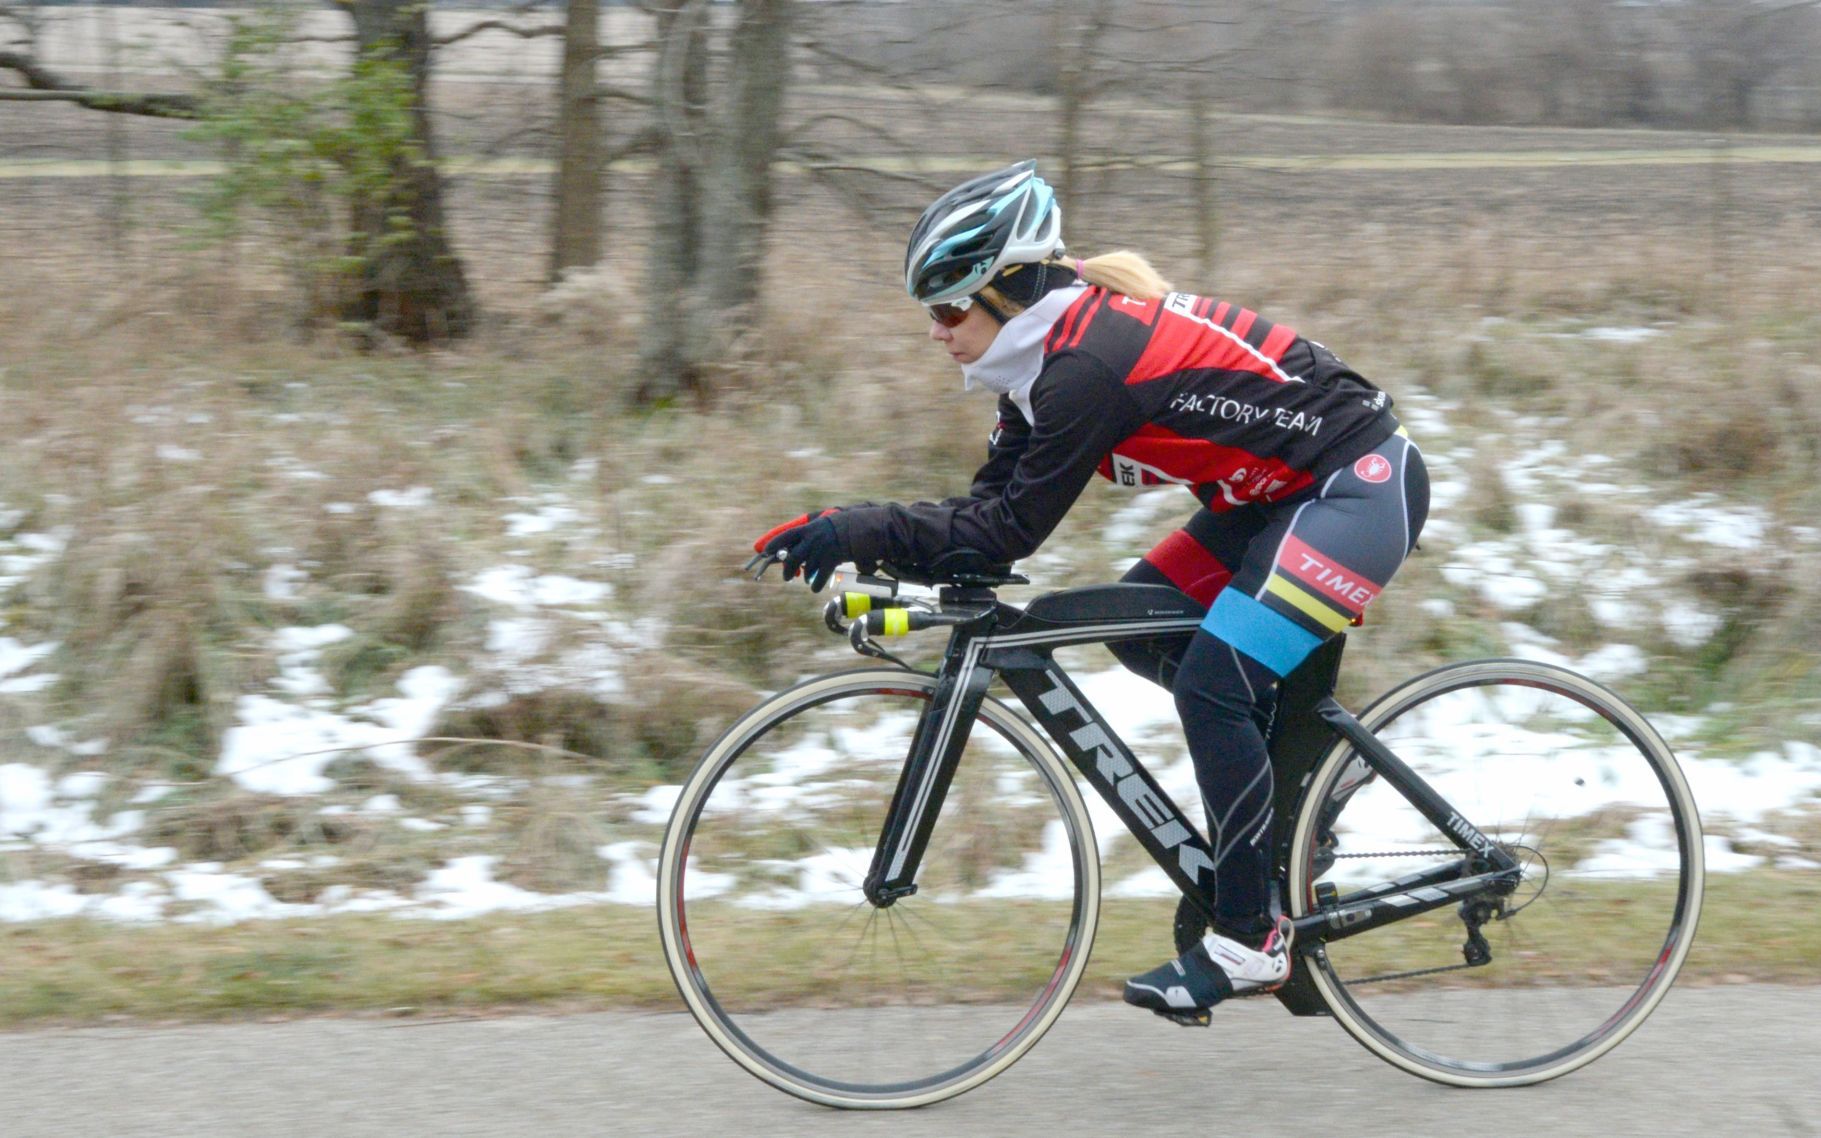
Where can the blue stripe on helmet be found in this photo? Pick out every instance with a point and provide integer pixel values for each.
(1044, 198)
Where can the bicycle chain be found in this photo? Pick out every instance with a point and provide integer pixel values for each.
(1407, 975)
(1419, 971)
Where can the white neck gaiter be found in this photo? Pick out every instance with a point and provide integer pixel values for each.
(1011, 364)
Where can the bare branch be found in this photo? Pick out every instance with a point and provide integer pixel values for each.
(44, 85)
(609, 50)
(643, 141)
(869, 127)
(35, 76)
(621, 94)
(120, 102)
(500, 26)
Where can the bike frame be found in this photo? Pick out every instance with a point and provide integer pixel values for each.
(1017, 645)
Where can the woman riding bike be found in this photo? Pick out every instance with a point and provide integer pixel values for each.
(1311, 497)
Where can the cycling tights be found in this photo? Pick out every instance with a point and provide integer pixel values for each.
(1278, 580)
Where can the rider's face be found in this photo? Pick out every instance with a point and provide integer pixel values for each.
(968, 340)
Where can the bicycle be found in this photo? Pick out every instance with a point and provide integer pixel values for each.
(1494, 872)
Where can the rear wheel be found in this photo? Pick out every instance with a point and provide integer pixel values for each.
(813, 988)
(1573, 783)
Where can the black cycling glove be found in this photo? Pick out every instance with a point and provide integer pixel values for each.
(813, 549)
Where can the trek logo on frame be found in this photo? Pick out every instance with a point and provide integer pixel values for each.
(1153, 812)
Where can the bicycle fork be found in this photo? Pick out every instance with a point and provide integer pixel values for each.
(935, 750)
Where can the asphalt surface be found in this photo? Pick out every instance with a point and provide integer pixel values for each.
(1723, 1061)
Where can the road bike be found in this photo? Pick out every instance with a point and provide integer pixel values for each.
(880, 887)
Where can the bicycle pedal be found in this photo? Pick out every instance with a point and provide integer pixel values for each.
(1198, 1018)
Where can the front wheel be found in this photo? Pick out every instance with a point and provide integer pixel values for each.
(1516, 985)
(815, 989)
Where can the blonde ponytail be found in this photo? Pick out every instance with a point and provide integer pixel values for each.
(1126, 273)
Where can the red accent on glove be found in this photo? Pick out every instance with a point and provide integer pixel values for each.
(759, 545)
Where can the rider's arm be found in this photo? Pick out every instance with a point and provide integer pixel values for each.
(1081, 410)
(1010, 436)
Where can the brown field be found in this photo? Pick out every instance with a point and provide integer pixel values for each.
(111, 303)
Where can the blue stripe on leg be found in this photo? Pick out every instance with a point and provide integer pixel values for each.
(1269, 637)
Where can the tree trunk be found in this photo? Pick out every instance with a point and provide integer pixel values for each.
(670, 356)
(410, 283)
(738, 192)
(1207, 196)
(1083, 24)
(576, 239)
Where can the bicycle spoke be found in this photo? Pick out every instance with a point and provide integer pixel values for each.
(784, 937)
(1576, 954)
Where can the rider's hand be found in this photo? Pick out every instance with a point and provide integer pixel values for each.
(765, 538)
(812, 548)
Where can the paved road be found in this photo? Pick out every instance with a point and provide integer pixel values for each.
(1721, 1061)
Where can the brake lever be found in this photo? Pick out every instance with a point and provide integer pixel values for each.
(764, 561)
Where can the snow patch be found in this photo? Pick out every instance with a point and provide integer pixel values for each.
(1706, 518)
(466, 888)
(282, 748)
(415, 498)
(548, 518)
(283, 582)
(515, 586)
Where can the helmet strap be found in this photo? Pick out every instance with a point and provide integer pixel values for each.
(997, 305)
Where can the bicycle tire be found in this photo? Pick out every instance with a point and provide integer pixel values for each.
(1573, 781)
(843, 1003)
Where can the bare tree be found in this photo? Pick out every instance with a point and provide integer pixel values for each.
(1737, 48)
(411, 283)
(1202, 167)
(712, 189)
(669, 356)
(19, 54)
(1084, 23)
(575, 237)
(749, 127)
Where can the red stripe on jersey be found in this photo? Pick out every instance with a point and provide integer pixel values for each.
(1087, 317)
(1186, 459)
(1220, 313)
(1326, 577)
(1190, 567)
(1203, 305)
(1059, 331)
(1180, 342)
(1223, 476)
(1277, 342)
(1243, 322)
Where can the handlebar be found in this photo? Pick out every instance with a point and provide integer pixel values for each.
(878, 606)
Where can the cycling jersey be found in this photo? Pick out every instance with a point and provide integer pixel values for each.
(1185, 389)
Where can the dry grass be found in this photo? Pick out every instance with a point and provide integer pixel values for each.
(608, 957)
(838, 412)
(158, 601)
(162, 416)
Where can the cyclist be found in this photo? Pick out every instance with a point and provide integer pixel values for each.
(1311, 497)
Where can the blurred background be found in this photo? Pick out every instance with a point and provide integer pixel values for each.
(389, 394)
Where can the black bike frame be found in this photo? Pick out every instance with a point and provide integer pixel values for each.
(1016, 646)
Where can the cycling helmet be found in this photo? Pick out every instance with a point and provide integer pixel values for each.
(1008, 217)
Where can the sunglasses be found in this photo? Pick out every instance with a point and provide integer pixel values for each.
(950, 315)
